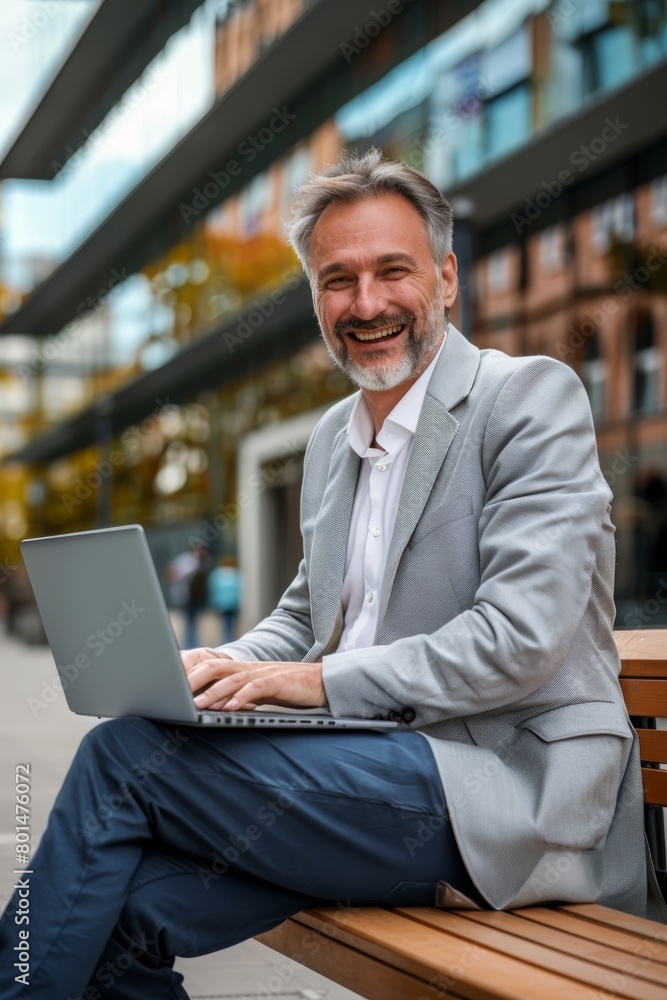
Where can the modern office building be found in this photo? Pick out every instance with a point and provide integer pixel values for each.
(161, 360)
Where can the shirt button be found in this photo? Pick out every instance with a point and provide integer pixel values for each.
(369, 597)
(382, 468)
(376, 532)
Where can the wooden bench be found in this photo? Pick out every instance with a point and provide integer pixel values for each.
(578, 952)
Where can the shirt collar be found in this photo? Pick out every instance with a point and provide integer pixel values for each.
(399, 425)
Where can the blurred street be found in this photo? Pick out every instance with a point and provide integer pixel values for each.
(47, 741)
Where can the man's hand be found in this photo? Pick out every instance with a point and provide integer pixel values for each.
(221, 682)
(191, 657)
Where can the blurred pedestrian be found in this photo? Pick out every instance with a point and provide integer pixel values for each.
(224, 594)
(187, 576)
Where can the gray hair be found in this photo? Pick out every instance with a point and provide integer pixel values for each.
(356, 177)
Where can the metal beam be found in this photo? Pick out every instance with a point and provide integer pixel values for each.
(121, 39)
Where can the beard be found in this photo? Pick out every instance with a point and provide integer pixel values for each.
(423, 339)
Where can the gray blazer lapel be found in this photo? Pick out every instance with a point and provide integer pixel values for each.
(435, 432)
(451, 382)
(327, 562)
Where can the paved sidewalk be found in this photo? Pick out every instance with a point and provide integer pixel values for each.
(47, 741)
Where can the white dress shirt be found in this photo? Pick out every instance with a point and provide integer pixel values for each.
(375, 506)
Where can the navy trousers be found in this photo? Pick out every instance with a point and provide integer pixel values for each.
(172, 841)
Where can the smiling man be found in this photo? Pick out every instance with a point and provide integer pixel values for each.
(381, 312)
(457, 577)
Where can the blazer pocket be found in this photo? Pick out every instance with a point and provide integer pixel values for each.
(586, 719)
(576, 763)
(456, 509)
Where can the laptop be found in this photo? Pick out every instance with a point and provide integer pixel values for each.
(110, 633)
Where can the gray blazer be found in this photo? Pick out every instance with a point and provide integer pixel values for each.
(495, 626)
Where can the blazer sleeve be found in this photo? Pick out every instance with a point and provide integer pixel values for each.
(539, 536)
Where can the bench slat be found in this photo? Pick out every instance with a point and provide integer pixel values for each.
(642, 652)
(643, 668)
(616, 918)
(490, 930)
(655, 786)
(645, 697)
(583, 919)
(653, 745)
(475, 971)
(346, 966)
(571, 944)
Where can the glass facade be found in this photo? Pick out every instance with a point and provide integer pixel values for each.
(472, 96)
(499, 78)
(45, 221)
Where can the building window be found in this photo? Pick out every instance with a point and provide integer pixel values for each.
(253, 202)
(624, 218)
(612, 57)
(613, 222)
(552, 249)
(659, 201)
(509, 121)
(498, 271)
(296, 169)
(594, 376)
(648, 363)
(649, 20)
